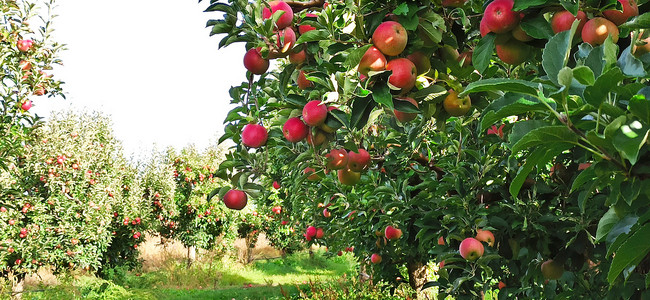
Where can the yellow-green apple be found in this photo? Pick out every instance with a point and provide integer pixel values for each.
(499, 16)
(455, 106)
(298, 58)
(326, 213)
(372, 60)
(348, 177)
(421, 62)
(453, 3)
(316, 137)
(563, 20)
(302, 81)
(448, 53)
(630, 9)
(519, 34)
(254, 62)
(392, 233)
(643, 45)
(337, 159)
(295, 130)
(485, 236)
(403, 116)
(235, 199)
(390, 37)
(313, 176)
(254, 135)
(375, 258)
(305, 28)
(24, 45)
(358, 161)
(552, 270)
(513, 52)
(26, 105)
(471, 249)
(319, 233)
(284, 20)
(404, 73)
(314, 113)
(596, 31)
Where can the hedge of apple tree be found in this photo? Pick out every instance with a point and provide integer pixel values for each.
(505, 140)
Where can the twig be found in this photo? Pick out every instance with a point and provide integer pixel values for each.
(299, 5)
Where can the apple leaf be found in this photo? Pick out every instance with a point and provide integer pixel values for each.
(537, 27)
(381, 94)
(585, 176)
(630, 65)
(509, 105)
(597, 93)
(430, 284)
(297, 100)
(557, 51)
(340, 116)
(483, 52)
(558, 134)
(635, 248)
(502, 84)
(629, 139)
(523, 4)
(640, 107)
(638, 22)
(220, 7)
(313, 36)
(355, 56)
(584, 75)
(361, 109)
(539, 156)
(606, 223)
(571, 6)
(405, 106)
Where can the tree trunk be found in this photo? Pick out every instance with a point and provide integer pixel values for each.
(191, 255)
(417, 274)
(17, 285)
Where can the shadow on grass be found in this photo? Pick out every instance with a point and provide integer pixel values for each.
(256, 293)
(302, 264)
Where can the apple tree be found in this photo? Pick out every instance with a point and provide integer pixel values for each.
(504, 140)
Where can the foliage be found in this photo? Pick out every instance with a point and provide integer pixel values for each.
(552, 158)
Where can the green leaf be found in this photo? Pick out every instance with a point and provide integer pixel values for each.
(540, 156)
(556, 53)
(521, 128)
(405, 106)
(571, 6)
(296, 99)
(597, 94)
(584, 75)
(629, 139)
(502, 84)
(381, 94)
(430, 284)
(633, 249)
(483, 52)
(361, 108)
(630, 190)
(523, 4)
(549, 134)
(340, 117)
(538, 27)
(630, 65)
(565, 77)
(401, 9)
(220, 7)
(638, 22)
(511, 104)
(313, 36)
(606, 224)
(219, 27)
(639, 106)
(355, 56)
(585, 176)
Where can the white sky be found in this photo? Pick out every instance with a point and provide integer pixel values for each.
(151, 65)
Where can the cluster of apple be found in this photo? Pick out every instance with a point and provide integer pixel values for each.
(25, 46)
(390, 233)
(314, 233)
(472, 248)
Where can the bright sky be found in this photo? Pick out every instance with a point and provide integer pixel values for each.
(151, 65)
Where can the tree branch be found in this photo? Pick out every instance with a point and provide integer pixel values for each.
(299, 5)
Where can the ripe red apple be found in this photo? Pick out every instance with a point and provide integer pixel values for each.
(597, 29)
(390, 37)
(24, 45)
(421, 62)
(630, 9)
(26, 105)
(404, 73)
(326, 213)
(3, 209)
(403, 116)
(276, 209)
(310, 232)
(501, 285)
(453, 3)
(305, 28)
(235, 199)
(337, 159)
(471, 249)
(302, 81)
(563, 20)
(375, 258)
(552, 270)
(340, 253)
(254, 62)
(276, 185)
(286, 38)
(314, 113)
(483, 28)
(12, 222)
(455, 106)
(392, 233)
(513, 52)
(485, 236)
(25, 65)
(313, 176)
(372, 60)
(316, 137)
(295, 130)
(358, 161)
(285, 20)
(441, 240)
(319, 233)
(499, 16)
(297, 58)
(254, 136)
(348, 177)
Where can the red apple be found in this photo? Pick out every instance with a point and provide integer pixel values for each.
(390, 37)
(513, 52)
(314, 113)
(455, 106)
(392, 233)
(483, 28)
(326, 213)
(441, 240)
(254, 135)
(305, 28)
(295, 130)
(276, 185)
(348, 177)
(340, 253)
(285, 20)
(310, 232)
(404, 73)
(26, 105)
(372, 60)
(313, 176)
(235, 199)
(630, 9)
(276, 209)
(319, 233)
(501, 285)
(25, 65)
(297, 58)
(286, 38)
(597, 29)
(485, 236)
(3, 209)
(24, 45)
(375, 258)
(302, 81)
(403, 116)
(358, 161)
(552, 270)
(254, 62)
(499, 16)
(563, 20)
(471, 249)
(337, 159)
